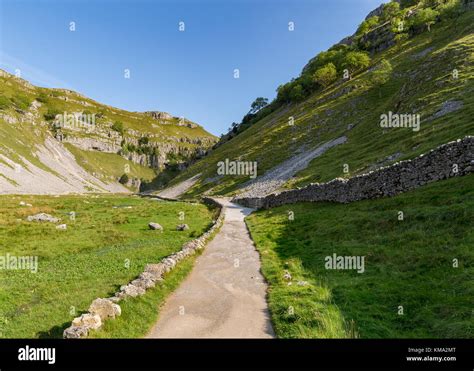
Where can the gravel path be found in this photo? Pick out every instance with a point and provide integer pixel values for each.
(275, 178)
(224, 295)
(180, 188)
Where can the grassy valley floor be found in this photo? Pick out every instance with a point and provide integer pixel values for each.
(411, 287)
(106, 244)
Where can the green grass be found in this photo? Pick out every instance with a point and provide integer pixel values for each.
(103, 248)
(417, 85)
(111, 164)
(408, 263)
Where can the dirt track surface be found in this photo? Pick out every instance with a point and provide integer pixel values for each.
(225, 294)
(180, 188)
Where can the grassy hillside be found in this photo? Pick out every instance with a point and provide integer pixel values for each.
(414, 76)
(409, 263)
(106, 141)
(106, 245)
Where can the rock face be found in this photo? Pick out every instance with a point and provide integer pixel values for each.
(449, 160)
(448, 107)
(157, 115)
(62, 152)
(42, 217)
(155, 226)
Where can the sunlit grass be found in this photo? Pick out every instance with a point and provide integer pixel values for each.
(408, 263)
(107, 245)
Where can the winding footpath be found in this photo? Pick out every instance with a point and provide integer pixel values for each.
(225, 294)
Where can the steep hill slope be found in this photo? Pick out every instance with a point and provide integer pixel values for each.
(427, 72)
(57, 141)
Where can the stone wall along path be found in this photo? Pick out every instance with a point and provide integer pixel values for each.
(225, 294)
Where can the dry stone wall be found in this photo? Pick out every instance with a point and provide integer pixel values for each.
(448, 160)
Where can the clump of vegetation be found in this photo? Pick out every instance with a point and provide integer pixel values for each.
(42, 97)
(51, 113)
(124, 179)
(4, 102)
(355, 61)
(367, 25)
(143, 141)
(21, 102)
(423, 20)
(118, 127)
(326, 75)
(382, 72)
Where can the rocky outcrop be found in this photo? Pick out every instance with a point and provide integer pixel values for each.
(378, 39)
(165, 118)
(157, 115)
(448, 160)
(93, 144)
(42, 217)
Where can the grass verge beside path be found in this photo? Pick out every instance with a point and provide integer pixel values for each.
(106, 245)
(410, 265)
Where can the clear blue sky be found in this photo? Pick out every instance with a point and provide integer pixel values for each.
(186, 73)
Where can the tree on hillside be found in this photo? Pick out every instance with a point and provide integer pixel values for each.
(283, 92)
(382, 72)
(296, 93)
(367, 25)
(234, 127)
(124, 179)
(118, 127)
(423, 19)
(325, 75)
(408, 3)
(258, 104)
(389, 11)
(354, 61)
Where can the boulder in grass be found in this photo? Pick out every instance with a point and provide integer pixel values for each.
(75, 332)
(61, 227)
(42, 217)
(91, 321)
(155, 226)
(182, 227)
(104, 308)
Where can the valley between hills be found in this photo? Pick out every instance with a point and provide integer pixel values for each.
(144, 221)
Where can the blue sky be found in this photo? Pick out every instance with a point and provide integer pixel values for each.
(188, 73)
